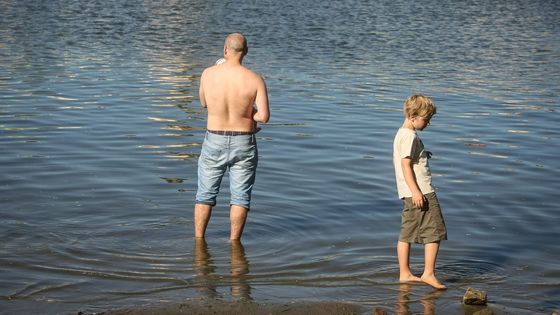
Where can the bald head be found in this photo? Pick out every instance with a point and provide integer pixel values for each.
(236, 43)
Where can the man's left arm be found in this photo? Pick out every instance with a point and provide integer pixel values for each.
(262, 114)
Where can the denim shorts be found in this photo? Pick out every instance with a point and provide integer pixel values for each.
(221, 153)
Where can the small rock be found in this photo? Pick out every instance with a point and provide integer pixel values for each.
(379, 311)
(484, 312)
(475, 297)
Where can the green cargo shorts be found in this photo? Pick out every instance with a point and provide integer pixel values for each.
(425, 225)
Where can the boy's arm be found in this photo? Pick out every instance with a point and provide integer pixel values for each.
(410, 178)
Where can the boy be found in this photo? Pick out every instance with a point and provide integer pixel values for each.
(422, 221)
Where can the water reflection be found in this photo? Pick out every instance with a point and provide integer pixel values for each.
(239, 269)
(206, 271)
(404, 302)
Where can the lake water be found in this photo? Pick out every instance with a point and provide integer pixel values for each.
(101, 127)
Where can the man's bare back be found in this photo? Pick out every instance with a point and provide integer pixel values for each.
(230, 92)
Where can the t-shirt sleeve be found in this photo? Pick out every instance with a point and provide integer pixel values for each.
(406, 146)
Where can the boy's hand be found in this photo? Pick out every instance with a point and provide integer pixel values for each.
(418, 200)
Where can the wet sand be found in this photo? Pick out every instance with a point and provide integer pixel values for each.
(217, 307)
(205, 306)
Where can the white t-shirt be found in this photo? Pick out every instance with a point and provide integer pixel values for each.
(408, 144)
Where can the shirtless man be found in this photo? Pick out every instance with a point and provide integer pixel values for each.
(236, 99)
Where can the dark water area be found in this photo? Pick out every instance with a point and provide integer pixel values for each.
(101, 127)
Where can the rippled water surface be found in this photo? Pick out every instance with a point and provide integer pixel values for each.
(100, 130)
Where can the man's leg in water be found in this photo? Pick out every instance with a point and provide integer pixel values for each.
(202, 213)
(237, 216)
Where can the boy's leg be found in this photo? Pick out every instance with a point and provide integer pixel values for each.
(429, 275)
(237, 217)
(403, 253)
(202, 213)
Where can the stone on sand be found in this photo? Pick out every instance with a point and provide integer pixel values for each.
(475, 297)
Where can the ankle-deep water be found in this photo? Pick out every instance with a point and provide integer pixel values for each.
(101, 127)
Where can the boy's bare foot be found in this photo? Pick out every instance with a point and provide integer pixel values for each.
(433, 281)
(409, 278)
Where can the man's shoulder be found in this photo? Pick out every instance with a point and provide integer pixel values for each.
(211, 73)
(251, 72)
(209, 69)
(219, 72)
(205, 72)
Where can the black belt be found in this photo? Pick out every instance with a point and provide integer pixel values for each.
(231, 133)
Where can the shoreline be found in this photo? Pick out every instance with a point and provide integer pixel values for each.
(240, 307)
(206, 306)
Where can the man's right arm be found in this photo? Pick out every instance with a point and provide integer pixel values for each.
(262, 113)
(201, 95)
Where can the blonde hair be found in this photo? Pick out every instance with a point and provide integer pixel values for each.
(419, 105)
